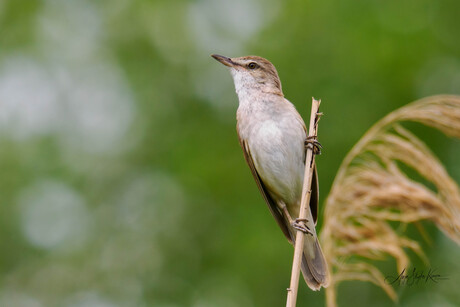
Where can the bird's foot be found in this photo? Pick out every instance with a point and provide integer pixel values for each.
(311, 140)
(299, 224)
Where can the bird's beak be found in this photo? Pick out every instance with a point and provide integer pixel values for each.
(224, 60)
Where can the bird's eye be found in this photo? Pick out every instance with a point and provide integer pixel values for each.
(252, 65)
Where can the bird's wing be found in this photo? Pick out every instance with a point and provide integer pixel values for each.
(270, 202)
(314, 197)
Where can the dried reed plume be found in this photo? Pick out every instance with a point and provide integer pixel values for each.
(371, 190)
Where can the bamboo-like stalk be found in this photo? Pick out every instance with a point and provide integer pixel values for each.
(305, 212)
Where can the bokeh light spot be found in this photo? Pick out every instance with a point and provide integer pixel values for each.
(53, 214)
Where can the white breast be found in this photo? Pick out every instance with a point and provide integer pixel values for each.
(276, 141)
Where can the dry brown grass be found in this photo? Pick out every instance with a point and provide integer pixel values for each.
(371, 190)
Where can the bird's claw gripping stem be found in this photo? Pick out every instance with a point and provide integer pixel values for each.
(316, 146)
(299, 224)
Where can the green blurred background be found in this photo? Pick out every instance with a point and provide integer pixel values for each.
(122, 182)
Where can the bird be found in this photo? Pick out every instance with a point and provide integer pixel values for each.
(273, 137)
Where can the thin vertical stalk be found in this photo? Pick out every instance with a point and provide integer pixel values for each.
(305, 212)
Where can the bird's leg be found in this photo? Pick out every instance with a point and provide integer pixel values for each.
(298, 223)
(311, 140)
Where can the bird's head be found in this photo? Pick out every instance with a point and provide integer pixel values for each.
(252, 73)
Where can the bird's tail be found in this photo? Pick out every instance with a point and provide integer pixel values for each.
(314, 265)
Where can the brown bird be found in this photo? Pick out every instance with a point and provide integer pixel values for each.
(273, 137)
